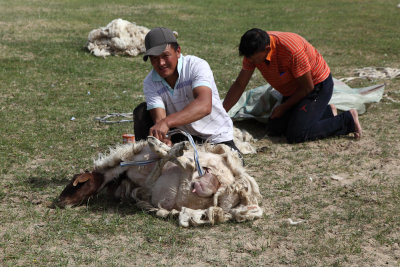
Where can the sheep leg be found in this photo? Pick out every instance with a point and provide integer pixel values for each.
(185, 163)
(166, 153)
(212, 215)
(158, 147)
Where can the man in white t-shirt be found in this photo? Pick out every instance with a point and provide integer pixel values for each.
(180, 92)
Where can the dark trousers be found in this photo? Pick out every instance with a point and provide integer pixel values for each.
(312, 117)
(142, 122)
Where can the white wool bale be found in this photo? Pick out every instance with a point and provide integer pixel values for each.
(100, 52)
(94, 34)
(118, 43)
(119, 37)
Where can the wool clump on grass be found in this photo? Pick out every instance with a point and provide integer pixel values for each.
(119, 37)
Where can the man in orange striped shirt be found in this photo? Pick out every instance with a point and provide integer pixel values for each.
(294, 68)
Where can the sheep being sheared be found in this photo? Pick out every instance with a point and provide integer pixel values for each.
(171, 185)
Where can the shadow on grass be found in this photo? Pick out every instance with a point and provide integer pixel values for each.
(104, 203)
(36, 182)
(258, 130)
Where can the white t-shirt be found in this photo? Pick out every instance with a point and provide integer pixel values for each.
(217, 127)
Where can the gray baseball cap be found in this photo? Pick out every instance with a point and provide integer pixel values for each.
(156, 41)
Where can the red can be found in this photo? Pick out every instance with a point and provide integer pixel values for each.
(128, 138)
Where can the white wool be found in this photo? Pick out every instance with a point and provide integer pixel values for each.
(119, 37)
(124, 152)
(212, 215)
(244, 213)
(374, 73)
(243, 140)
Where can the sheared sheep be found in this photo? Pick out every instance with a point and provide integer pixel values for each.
(170, 185)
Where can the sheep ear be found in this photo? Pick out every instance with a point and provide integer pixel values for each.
(82, 178)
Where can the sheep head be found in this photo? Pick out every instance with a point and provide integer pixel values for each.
(81, 187)
(206, 185)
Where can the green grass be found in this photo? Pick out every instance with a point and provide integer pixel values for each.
(46, 75)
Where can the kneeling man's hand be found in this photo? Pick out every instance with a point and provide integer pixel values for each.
(278, 112)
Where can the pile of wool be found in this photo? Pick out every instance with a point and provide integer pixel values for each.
(243, 141)
(374, 73)
(119, 37)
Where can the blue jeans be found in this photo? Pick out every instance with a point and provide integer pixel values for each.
(312, 117)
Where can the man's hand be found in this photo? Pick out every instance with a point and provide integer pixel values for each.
(161, 127)
(304, 87)
(160, 130)
(278, 112)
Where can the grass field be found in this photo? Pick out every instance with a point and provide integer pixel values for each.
(45, 79)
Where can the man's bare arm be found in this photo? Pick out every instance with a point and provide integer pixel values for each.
(237, 89)
(200, 107)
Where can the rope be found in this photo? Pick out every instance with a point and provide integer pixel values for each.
(170, 133)
(105, 118)
(137, 163)
(191, 141)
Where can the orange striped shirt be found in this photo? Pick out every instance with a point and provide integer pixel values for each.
(291, 56)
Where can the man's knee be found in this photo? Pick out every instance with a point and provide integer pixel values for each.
(140, 111)
(295, 136)
(276, 127)
(142, 121)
